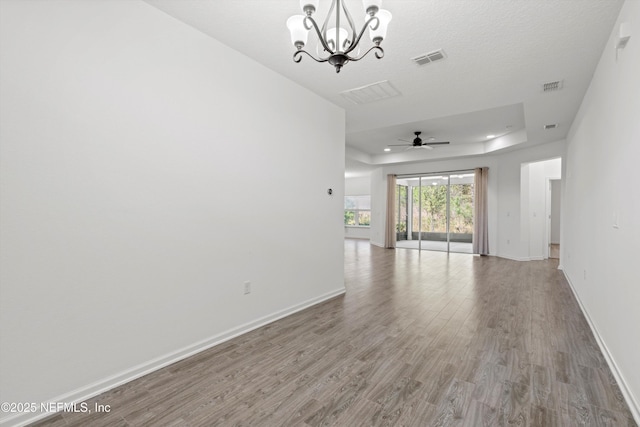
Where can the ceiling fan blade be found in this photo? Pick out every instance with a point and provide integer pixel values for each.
(437, 143)
(405, 140)
(425, 146)
(397, 145)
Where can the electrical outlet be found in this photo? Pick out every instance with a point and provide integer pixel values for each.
(247, 287)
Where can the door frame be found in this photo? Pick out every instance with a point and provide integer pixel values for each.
(548, 210)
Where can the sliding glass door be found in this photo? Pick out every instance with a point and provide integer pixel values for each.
(436, 211)
(433, 198)
(461, 212)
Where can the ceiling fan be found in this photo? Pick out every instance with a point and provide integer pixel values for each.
(417, 143)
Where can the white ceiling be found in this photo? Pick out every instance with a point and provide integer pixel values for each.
(499, 54)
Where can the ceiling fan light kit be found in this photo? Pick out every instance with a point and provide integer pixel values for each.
(339, 41)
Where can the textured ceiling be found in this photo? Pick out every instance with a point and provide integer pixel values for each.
(499, 53)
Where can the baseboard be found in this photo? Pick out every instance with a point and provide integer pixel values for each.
(513, 258)
(92, 390)
(523, 258)
(634, 405)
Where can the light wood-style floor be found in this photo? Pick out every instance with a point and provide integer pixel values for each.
(420, 339)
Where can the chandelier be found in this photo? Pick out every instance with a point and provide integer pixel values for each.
(338, 45)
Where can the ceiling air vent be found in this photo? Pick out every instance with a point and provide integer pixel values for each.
(552, 86)
(430, 57)
(371, 93)
(551, 126)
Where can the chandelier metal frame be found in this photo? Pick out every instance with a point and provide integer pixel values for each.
(339, 50)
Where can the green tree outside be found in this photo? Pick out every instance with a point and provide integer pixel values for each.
(434, 213)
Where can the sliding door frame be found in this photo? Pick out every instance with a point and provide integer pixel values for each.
(420, 177)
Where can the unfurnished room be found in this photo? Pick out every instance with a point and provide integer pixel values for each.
(319, 213)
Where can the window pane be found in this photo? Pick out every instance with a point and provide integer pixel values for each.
(434, 208)
(402, 218)
(461, 206)
(357, 202)
(349, 218)
(415, 215)
(350, 202)
(364, 218)
(364, 202)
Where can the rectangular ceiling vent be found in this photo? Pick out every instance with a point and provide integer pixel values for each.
(371, 93)
(428, 58)
(551, 126)
(552, 86)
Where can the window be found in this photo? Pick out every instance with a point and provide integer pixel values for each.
(357, 211)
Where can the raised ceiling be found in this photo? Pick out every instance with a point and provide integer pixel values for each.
(499, 54)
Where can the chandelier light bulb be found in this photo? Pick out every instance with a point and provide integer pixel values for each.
(299, 33)
(378, 31)
(342, 36)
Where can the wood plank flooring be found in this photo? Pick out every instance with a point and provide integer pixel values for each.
(419, 339)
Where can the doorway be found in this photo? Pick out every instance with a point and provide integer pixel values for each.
(536, 213)
(435, 212)
(553, 227)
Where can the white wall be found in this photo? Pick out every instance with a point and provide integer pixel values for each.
(600, 259)
(357, 232)
(556, 209)
(378, 205)
(132, 208)
(357, 186)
